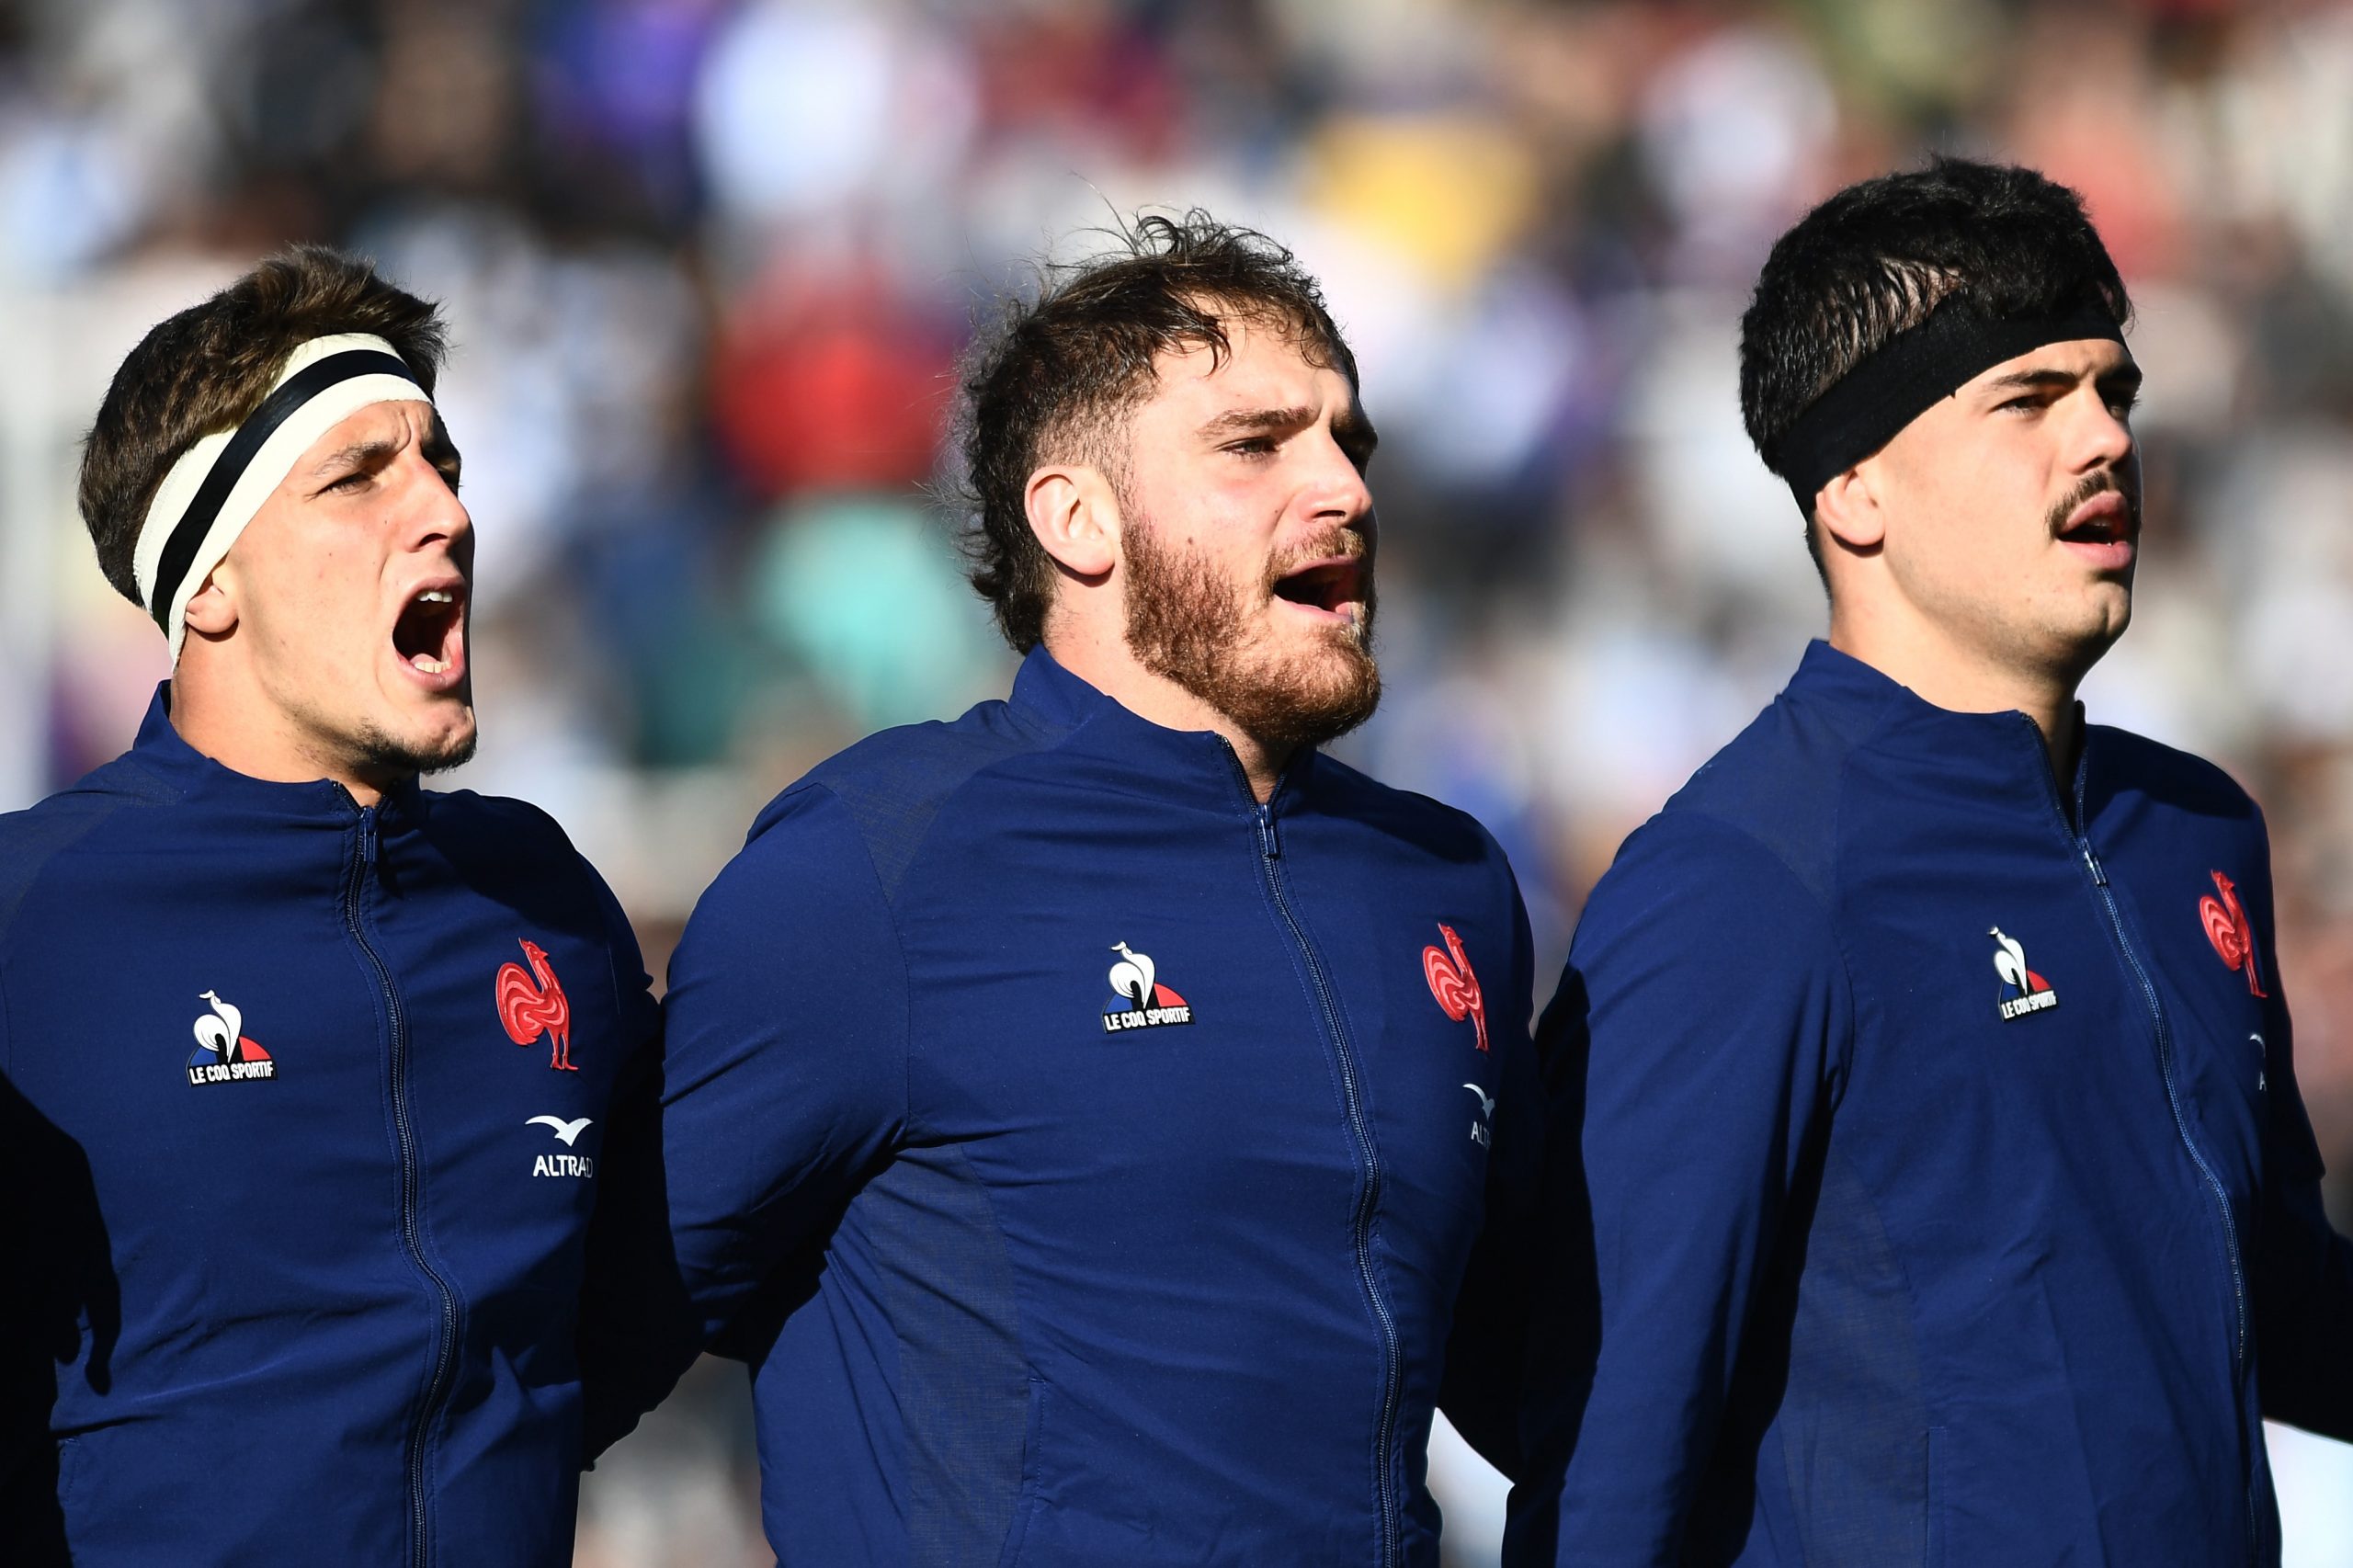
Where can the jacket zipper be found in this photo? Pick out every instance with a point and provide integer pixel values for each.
(412, 1236)
(1369, 1191)
(2079, 836)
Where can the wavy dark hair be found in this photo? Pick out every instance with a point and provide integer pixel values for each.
(1873, 260)
(210, 367)
(1052, 377)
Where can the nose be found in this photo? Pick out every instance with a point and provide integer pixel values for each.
(1336, 490)
(431, 513)
(2101, 437)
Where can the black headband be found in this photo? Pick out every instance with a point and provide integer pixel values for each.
(1905, 376)
(188, 534)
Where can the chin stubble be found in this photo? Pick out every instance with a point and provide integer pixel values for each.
(380, 752)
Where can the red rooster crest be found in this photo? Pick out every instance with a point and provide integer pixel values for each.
(530, 1010)
(1451, 982)
(2227, 928)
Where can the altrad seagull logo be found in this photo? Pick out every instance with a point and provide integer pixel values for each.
(580, 1167)
(530, 1010)
(567, 1130)
(1482, 1126)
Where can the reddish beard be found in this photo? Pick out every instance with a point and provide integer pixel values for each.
(1189, 625)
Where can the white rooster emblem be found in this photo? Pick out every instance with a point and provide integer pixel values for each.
(1132, 976)
(219, 1031)
(2009, 962)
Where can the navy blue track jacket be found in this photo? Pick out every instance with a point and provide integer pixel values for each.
(1940, 1192)
(1101, 1153)
(301, 1186)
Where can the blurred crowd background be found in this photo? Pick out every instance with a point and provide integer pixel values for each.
(710, 263)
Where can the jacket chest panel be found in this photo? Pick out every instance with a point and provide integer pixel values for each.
(2007, 1046)
(222, 1071)
(2179, 891)
(1162, 1043)
(510, 1043)
(1429, 964)
(1151, 1026)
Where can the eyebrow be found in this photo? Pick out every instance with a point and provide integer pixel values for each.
(357, 455)
(437, 448)
(2129, 375)
(1237, 421)
(1350, 428)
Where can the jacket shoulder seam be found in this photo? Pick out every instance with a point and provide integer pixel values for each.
(1824, 903)
(10, 906)
(898, 947)
(1046, 738)
(1830, 918)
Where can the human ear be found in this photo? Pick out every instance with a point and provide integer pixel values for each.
(212, 611)
(1075, 516)
(1847, 509)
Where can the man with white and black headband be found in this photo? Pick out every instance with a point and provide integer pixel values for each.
(1932, 1181)
(317, 1088)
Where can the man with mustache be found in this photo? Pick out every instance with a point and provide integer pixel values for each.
(1939, 1190)
(1087, 1113)
(308, 1075)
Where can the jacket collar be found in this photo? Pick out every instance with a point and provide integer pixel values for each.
(1973, 751)
(1195, 766)
(1843, 684)
(162, 753)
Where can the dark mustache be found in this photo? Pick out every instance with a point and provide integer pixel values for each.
(2097, 483)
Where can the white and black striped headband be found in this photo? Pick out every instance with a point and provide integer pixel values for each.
(219, 483)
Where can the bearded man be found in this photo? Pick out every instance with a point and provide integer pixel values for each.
(1089, 1111)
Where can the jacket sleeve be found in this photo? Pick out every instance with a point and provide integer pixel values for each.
(633, 1334)
(1484, 1383)
(784, 1076)
(28, 1482)
(1696, 1043)
(2304, 1272)
(62, 1303)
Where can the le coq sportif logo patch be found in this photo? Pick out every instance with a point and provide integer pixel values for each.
(1138, 999)
(224, 1053)
(2023, 991)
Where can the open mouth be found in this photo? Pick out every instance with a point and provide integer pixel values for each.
(2105, 519)
(429, 637)
(1334, 588)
